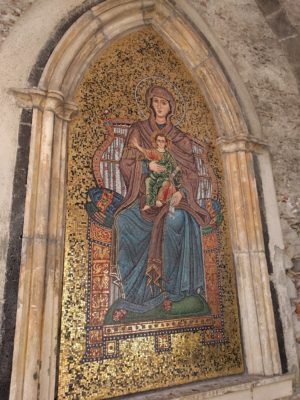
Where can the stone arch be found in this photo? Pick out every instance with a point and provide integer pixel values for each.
(103, 23)
(239, 135)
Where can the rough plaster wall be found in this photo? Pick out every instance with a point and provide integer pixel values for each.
(38, 28)
(10, 12)
(16, 67)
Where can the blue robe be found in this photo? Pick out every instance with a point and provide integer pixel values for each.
(158, 255)
(182, 259)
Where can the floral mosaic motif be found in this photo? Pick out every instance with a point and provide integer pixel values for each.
(135, 353)
(163, 343)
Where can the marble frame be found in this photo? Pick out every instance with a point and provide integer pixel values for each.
(239, 138)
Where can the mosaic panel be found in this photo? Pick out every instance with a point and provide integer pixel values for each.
(149, 297)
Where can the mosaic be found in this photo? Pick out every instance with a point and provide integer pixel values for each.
(149, 297)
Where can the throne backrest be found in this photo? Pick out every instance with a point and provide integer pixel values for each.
(107, 157)
(207, 187)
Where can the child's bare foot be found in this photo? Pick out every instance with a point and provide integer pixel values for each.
(119, 314)
(158, 203)
(146, 207)
(167, 305)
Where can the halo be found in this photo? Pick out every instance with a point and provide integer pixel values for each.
(143, 85)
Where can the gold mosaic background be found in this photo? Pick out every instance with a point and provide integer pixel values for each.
(108, 89)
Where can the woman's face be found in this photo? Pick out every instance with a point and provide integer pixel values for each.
(161, 107)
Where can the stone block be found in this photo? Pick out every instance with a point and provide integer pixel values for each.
(268, 6)
(82, 60)
(132, 19)
(230, 388)
(35, 75)
(11, 293)
(296, 70)
(190, 47)
(250, 42)
(112, 8)
(26, 116)
(23, 142)
(4, 390)
(281, 25)
(109, 13)
(293, 11)
(65, 52)
(280, 117)
(292, 46)
(276, 390)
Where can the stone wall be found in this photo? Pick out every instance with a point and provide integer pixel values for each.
(264, 46)
(284, 20)
(262, 39)
(260, 36)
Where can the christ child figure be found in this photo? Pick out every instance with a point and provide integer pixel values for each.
(160, 186)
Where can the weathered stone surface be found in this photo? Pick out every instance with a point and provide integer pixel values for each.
(259, 58)
(13, 256)
(281, 121)
(292, 46)
(235, 388)
(267, 74)
(264, 69)
(297, 73)
(280, 24)
(10, 12)
(293, 11)
(269, 68)
(268, 6)
(250, 42)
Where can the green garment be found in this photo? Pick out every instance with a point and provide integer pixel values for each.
(156, 179)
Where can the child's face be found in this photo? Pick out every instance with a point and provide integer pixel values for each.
(161, 142)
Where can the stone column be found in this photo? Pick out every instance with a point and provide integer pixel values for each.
(256, 309)
(34, 361)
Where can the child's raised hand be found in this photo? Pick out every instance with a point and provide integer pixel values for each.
(175, 199)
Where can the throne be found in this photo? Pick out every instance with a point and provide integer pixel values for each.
(103, 201)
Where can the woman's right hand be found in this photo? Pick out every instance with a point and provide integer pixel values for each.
(154, 167)
(134, 142)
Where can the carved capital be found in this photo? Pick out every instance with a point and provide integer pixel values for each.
(242, 143)
(43, 100)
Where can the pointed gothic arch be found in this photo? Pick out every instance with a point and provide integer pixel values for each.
(239, 135)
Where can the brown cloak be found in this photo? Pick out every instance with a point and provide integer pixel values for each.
(131, 169)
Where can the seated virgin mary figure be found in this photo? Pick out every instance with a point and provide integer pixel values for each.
(158, 254)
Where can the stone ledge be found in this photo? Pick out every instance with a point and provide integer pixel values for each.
(242, 387)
